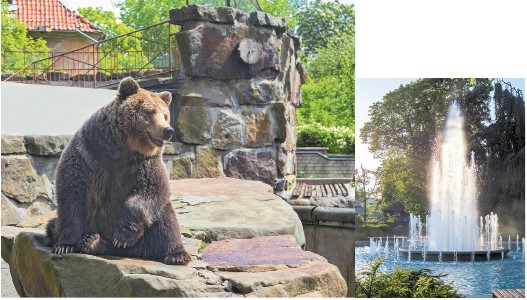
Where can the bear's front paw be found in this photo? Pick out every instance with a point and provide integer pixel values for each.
(127, 235)
(93, 244)
(64, 248)
(180, 257)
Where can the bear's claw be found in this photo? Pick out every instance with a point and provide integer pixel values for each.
(177, 258)
(64, 248)
(92, 244)
(127, 235)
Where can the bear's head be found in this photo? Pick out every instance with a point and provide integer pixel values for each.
(144, 116)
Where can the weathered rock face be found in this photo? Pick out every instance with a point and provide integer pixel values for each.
(267, 273)
(27, 183)
(232, 208)
(241, 88)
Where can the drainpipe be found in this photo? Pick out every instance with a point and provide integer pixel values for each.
(87, 36)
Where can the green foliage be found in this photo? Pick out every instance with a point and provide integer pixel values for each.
(401, 283)
(319, 22)
(328, 97)
(338, 139)
(203, 246)
(18, 49)
(118, 54)
(367, 187)
(504, 170)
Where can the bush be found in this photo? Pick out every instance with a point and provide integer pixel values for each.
(401, 283)
(339, 140)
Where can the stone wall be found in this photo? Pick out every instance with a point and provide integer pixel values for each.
(316, 163)
(242, 86)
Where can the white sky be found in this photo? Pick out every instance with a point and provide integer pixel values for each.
(105, 4)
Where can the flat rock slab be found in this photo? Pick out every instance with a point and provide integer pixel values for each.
(226, 208)
(274, 266)
(257, 254)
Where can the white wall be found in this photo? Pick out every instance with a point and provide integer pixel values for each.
(48, 110)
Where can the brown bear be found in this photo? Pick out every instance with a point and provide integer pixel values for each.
(112, 186)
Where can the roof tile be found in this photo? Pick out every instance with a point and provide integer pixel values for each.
(52, 15)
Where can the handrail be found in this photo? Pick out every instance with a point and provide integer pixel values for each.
(154, 52)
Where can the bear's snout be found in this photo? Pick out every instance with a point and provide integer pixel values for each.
(167, 133)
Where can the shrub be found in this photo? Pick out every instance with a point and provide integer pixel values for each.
(401, 283)
(339, 140)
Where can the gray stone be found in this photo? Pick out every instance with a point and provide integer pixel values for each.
(227, 131)
(227, 15)
(45, 145)
(237, 209)
(11, 213)
(194, 125)
(20, 181)
(207, 163)
(8, 288)
(13, 144)
(172, 148)
(280, 123)
(181, 168)
(257, 129)
(260, 18)
(258, 91)
(252, 165)
(203, 92)
(210, 50)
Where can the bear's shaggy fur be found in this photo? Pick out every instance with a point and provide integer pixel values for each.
(112, 186)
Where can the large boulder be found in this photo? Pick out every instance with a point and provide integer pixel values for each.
(225, 208)
(271, 267)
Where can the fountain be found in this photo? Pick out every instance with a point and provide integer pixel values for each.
(452, 228)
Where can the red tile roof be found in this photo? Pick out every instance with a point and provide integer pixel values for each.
(51, 15)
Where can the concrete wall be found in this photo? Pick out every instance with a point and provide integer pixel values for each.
(316, 163)
(330, 232)
(51, 110)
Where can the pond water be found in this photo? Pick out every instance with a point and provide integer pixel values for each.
(470, 278)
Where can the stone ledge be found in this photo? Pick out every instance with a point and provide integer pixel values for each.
(266, 273)
(225, 208)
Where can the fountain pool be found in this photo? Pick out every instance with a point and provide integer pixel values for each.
(470, 278)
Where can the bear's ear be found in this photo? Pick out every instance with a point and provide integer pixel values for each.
(128, 86)
(166, 96)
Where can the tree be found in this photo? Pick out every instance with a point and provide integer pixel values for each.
(319, 22)
(367, 187)
(18, 48)
(503, 173)
(328, 97)
(119, 53)
(401, 283)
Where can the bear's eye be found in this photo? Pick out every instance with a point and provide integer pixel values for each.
(150, 112)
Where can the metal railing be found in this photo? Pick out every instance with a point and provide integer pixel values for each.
(146, 53)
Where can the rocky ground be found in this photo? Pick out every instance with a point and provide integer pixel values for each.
(255, 251)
